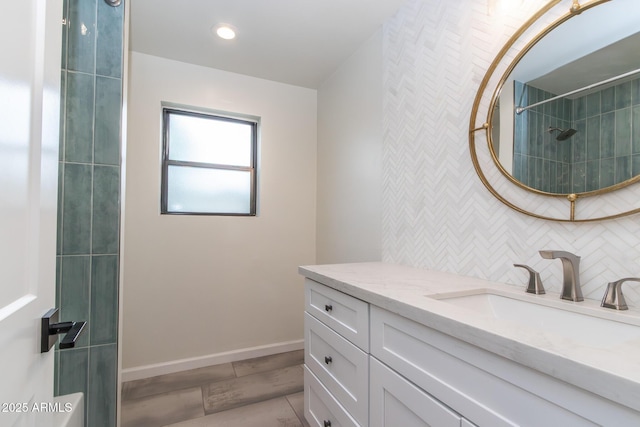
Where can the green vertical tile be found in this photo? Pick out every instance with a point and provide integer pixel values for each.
(635, 92)
(607, 135)
(623, 132)
(565, 151)
(623, 95)
(107, 121)
(593, 104)
(76, 202)
(75, 287)
(109, 40)
(546, 175)
(63, 112)
(72, 370)
(593, 137)
(517, 166)
(104, 299)
(635, 164)
(568, 108)
(607, 172)
(60, 210)
(531, 135)
(524, 170)
(65, 19)
(102, 386)
(56, 372)
(579, 177)
(106, 209)
(81, 36)
(568, 180)
(553, 178)
(608, 100)
(592, 172)
(537, 182)
(623, 168)
(635, 130)
(79, 118)
(73, 373)
(579, 141)
(580, 108)
(58, 279)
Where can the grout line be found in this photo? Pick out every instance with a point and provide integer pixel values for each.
(204, 410)
(204, 406)
(294, 409)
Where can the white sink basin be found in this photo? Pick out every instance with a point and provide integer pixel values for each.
(592, 326)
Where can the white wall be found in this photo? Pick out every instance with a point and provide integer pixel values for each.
(349, 159)
(436, 212)
(196, 286)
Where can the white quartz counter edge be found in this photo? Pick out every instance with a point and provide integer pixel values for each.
(610, 373)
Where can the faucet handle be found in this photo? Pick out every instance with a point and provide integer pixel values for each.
(535, 282)
(613, 297)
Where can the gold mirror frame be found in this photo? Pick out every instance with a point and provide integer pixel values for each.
(521, 192)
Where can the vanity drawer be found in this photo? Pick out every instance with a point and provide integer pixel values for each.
(341, 367)
(320, 408)
(345, 314)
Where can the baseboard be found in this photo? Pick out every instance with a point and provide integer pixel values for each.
(148, 371)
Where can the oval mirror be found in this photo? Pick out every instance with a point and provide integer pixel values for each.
(563, 122)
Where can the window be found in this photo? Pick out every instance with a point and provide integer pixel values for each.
(208, 164)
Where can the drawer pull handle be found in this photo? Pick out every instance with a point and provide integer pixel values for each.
(328, 307)
(327, 423)
(328, 359)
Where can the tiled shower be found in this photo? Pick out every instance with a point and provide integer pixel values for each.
(599, 155)
(89, 202)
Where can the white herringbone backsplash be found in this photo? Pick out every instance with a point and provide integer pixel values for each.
(436, 212)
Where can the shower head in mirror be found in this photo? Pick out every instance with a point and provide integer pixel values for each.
(114, 3)
(564, 133)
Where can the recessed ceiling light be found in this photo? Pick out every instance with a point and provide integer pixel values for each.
(226, 32)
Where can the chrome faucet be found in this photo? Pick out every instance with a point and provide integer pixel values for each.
(571, 271)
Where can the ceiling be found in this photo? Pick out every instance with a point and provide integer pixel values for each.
(298, 42)
(606, 63)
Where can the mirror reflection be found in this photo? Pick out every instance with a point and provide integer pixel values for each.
(568, 117)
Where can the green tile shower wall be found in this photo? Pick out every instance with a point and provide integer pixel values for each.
(88, 203)
(604, 151)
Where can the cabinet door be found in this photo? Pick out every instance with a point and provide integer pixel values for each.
(394, 402)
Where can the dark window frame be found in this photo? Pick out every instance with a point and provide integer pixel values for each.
(166, 161)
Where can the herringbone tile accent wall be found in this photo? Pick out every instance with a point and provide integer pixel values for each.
(436, 212)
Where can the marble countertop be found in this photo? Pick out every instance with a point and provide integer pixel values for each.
(613, 373)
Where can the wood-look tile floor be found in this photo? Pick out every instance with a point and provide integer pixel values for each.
(265, 392)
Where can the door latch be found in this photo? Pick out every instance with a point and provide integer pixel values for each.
(51, 327)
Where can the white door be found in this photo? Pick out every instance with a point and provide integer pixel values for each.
(30, 47)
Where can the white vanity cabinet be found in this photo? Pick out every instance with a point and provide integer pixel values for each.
(368, 366)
